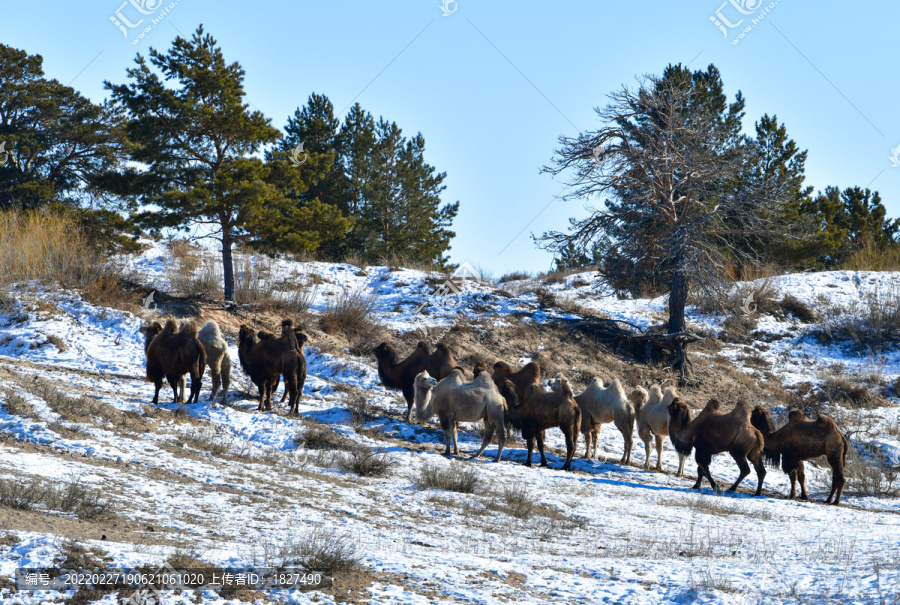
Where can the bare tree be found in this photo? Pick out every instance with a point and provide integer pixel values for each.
(677, 180)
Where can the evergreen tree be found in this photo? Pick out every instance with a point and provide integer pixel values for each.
(197, 143)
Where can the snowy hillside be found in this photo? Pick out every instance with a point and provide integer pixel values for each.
(232, 487)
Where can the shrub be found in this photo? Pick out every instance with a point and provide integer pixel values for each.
(349, 313)
(256, 283)
(871, 475)
(19, 495)
(791, 305)
(322, 550)
(519, 502)
(368, 463)
(454, 478)
(871, 325)
(514, 276)
(317, 436)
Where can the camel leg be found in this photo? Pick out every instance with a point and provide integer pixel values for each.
(262, 396)
(290, 387)
(801, 477)
(409, 395)
(501, 438)
(158, 384)
(595, 437)
(681, 460)
(836, 462)
(760, 472)
(646, 454)
(488, 435)
(448, 427)
(587, 445)
(540, 444)
(741, 458)
(571, 436)
(659, 442)
(530, 443)
(703, 459)
(216, 382)
(173, 382)
(626, 431)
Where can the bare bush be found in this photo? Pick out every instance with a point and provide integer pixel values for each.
(368, 463)
(317, 436)
(322, 550)
(857, 390)
(256, 282)
(871, 474)
(514, 276)
(205, 440)
(453, 477)
(17, 494)
(869, 325)
(519, 501)
(350, 313)
(791, 305)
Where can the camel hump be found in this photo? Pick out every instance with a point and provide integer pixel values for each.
(424, 347)
(211, 329)
(170, 327)
(712, 405)
(796, 415)
(638, 396)
(826, 422)
(443, 349)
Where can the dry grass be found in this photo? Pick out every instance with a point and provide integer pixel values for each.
(317, 436)
(514, 276)
(871, 325)
(191, 273)
(71, 496)
(256, 283)
(368, 463)
(519, 501)
(872, 475)
(870, 257)
(52, 248)
(322, 550)
(454, 478)
(350, 313)
(791, 305)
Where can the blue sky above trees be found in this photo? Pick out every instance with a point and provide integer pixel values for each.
(492, 85)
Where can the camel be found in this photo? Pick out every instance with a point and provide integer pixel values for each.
(401, 375)
(713, 432)
(801, 439)
(601, 404)
(542, 410)
(172, 353)
(454, 399)
(653, 421)
(264, 359)
(217, 358)
(528, 375)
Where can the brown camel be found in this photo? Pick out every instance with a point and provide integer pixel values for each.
(713, 432)
(401, 375)
(528, 375)
(543, 410)
(801, 439)
(172, 353)
(263, 360)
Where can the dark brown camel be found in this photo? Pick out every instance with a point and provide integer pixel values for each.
(802, 439)
(528, 375)
(172, 353)
(401, 375)
(265, 359)
(713, 432)
(542, 410)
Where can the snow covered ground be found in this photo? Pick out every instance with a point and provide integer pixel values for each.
(230, 486)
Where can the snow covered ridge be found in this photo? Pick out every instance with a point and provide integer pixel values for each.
(231, 486)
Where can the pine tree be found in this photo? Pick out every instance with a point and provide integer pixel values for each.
(198, 143)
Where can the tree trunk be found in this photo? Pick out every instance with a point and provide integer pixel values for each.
(227, 265)
(677, 300)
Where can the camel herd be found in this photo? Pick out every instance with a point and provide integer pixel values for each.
(506, 399)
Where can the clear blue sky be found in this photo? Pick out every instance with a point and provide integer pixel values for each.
(493, 85)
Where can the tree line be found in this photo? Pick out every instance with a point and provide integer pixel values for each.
(178, 147)
(689, 202)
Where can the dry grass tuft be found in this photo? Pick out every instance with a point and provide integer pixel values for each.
(368, 463)
(350, 313)
(870, 325)
(454, 478)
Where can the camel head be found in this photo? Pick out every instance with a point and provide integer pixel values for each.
(480, 368)
(150, 332)
(385, 352)
(423, 384)
(638, 397)
(502, 369)
(762, 421)
(508, 391)
(560, 384)
(679, 413)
